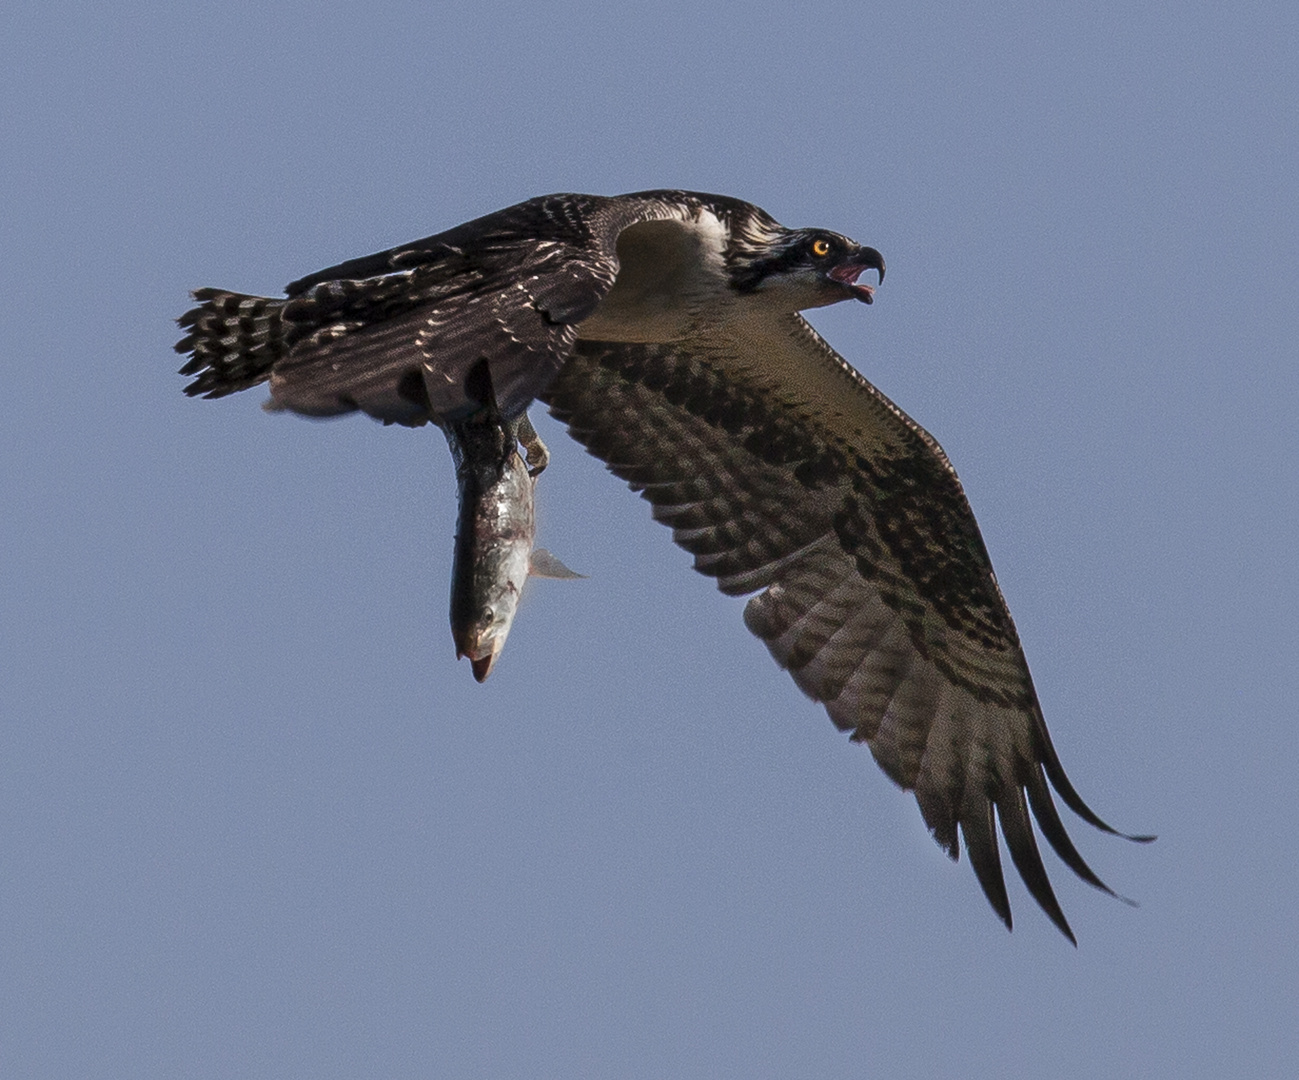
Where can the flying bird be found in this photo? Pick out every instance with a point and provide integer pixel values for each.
(663, 328)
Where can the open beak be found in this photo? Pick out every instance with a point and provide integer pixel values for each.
(848, 271)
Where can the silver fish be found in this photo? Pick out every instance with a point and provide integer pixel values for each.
(495, 531)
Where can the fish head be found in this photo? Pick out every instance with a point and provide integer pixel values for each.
(482, 638)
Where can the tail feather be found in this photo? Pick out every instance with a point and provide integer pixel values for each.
(233, 340)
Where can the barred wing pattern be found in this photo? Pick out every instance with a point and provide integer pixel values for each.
(394, 334)
(874, 588)
(774, 462)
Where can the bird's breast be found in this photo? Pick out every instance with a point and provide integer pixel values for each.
(670, 276)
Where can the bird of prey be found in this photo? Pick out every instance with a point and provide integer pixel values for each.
(663, 328)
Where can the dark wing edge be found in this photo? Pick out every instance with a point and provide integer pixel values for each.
(767, 503)
(395, 333)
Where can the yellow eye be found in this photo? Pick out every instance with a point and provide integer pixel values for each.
(820, 247)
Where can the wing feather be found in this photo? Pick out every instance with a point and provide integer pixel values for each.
(396, 333)
(874, 589)
(776, 465)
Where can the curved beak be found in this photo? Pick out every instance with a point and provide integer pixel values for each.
(870, 259)
(847, 272)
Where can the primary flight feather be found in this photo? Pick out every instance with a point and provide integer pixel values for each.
(662, 327)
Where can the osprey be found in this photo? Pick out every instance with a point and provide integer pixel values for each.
(663, 328)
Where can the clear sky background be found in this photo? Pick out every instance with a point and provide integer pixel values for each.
(256, 821)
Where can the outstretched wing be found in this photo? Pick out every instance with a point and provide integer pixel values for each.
(782, 470)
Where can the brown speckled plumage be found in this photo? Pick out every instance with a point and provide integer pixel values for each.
(661, 327)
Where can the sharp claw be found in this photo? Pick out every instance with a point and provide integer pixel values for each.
(534, 450)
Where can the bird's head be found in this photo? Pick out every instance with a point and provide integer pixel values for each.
(804, 268)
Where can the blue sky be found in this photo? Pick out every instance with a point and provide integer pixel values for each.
(256, 821)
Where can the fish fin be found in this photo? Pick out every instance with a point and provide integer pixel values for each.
(545, 565)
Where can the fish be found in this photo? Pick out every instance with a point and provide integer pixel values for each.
(495, 531)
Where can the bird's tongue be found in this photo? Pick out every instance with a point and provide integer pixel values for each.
(848, 275)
